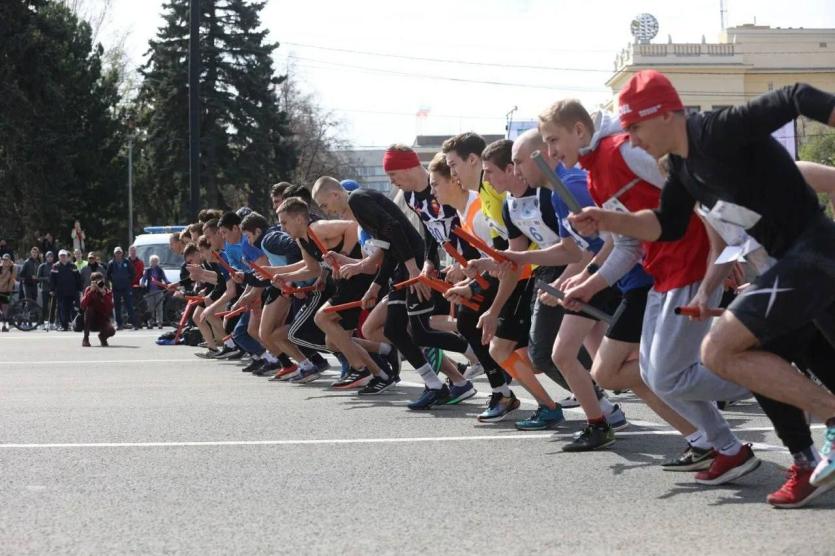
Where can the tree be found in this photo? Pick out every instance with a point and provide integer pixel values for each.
(60, 132)
(246, 143)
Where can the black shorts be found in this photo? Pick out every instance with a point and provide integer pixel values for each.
(515, 319)
(303, 330)
(629, 316)
(347, 291)
(270, 294)
(607, 300)
(405, 296)
(798, 289)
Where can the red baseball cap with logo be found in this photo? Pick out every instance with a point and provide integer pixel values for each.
(647, 94)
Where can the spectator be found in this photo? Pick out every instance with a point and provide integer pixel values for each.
(29, 274)
(44, 273)
(175, 244)
(66, 284)
(48, 244)
(78, 259)
(93, 265)
(8, 276)
(97, 305)
(138, 271)
(6, 250)
(120, 275)
(78, 236)
(154, 279)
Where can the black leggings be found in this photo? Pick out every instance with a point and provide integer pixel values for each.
(467, 321)
(424, 336)
(811, 352)
(396, 330)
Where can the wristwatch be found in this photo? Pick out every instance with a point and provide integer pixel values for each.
(592, 268)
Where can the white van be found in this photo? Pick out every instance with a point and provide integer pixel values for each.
(155, 242)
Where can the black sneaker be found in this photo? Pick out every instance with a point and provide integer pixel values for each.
(354, 380)
(319, 362)
(592, 437)
(237, 354)
(267, 368)
(224, 352)
(253, 366)
(692, 459)
(376, 386)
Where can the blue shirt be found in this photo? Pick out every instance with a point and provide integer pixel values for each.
(234, 255)
(576, 181)
(250, 252)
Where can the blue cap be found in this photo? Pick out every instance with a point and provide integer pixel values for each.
(349, 185)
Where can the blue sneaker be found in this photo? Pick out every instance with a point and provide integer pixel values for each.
(458, 394)
(430, 398)
(824, 473)
(541, 419)
(617, 419)
(305, 376)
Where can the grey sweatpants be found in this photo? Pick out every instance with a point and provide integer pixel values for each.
(670, 364)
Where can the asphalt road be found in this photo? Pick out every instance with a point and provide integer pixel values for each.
(139, 448)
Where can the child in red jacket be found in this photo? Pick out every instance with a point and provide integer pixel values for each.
(97, 304)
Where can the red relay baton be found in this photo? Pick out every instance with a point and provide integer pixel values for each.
(320, 245)
(481, 246)
(344, 307)
(694, 312)
(459, 258)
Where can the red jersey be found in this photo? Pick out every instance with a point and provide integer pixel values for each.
(673, 264)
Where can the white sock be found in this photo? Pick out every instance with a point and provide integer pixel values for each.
(698, 440)
(731, 448)
(427, 373)
(504, 390)
(305, 364)
(383, 375)
(229, 343)
(461, 382)
(385, 348)
(270, 358)
(470, 354)
(606, 406)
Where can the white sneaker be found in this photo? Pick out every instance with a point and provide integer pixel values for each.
(569, 402)
(473, 371)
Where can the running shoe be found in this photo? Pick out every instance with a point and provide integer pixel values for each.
(593, 437)
(320, 362)
(499, 407)
(458, 394)
(797, 491)
(431, 398)
(473, 371)
(692, 459)
(569, 402)
(267, 368)
(210, 353)
(541, 419)
(377, 385)
(253, 366)
(233, 355)
(285, 372)
(824, 473)
(725, 469)
(305, 376)
(223, 352)
(354, 380)
(617, 419)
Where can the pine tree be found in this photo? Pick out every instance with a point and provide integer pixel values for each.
(245, 145)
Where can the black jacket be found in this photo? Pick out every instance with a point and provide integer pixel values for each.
(65, 280)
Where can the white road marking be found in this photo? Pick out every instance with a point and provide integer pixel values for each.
(94, 361)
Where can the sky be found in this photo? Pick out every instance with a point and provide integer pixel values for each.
(465, 63)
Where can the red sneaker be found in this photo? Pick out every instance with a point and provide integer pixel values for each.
(725, 469)
(796, 492)
(284, 372)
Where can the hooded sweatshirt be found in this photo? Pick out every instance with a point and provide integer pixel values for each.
(626, 178)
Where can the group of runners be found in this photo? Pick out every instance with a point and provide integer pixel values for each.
(683, 257)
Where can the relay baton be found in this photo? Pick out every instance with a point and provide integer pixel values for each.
(321, 246)
(459, 258)
(234, 313)
(481, 246)
(694, 312)
(585, 307)
(223, 263)
(442, 287)
(343, 307)
(557, 186)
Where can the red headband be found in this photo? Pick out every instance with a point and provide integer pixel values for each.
(399, 160)
(647, 94)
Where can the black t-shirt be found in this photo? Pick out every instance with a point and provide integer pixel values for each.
(437, 219)
(534, 200)
(384, 221)
(733, 158)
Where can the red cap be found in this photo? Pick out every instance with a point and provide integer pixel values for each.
(395, 159)
(647, 94)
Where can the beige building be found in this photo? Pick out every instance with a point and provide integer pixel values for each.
(747, 61)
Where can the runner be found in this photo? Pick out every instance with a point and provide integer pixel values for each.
(625, 177)
(712, 162)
